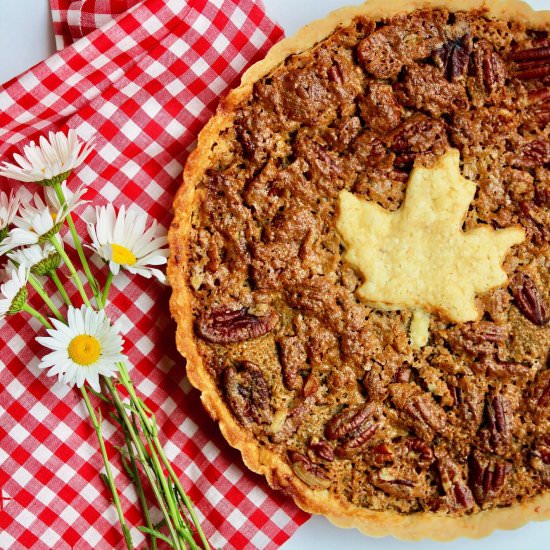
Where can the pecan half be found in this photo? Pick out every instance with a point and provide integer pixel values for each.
(354, 427)
(478, 338)
(539, 100)
(379, 108)
(542, 189)
(374, 383)
(356, 443)
(311, 387)
(421, 449)
(335, 74)
(502, 370)
(533, 154)
(227, 326)
(293, 419)
(417, 135)
(310, 473)
(293, 357)
(497, 433)
(540, 395)
(458, 495)
(349, 422)
(487, 476)
(531, 63)
(529, 299)
(425, 89)
(247, 393)
(454, 57)
(382, 453)
(536, 221)
(315, 298)
(540, 458)
(403, 374)
(323, 450)
(489, 67)
(391, 484)
(419, 410)
(385, 63)
(469, 399)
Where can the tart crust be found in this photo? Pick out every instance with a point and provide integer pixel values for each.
(261, 460)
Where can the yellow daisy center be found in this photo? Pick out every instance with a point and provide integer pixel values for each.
(84, 349)
(122, 255)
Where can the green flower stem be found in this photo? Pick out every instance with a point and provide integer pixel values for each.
(139, 487)
(35, 283)
(146, 421)
(71, 268)
(143, 456)
(182, 528)
(76, 239)
(168, 494)
(106, 289)
(36, 314)
(110, 479)
(61, 289)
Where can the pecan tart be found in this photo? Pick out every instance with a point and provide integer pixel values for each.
(360, 267)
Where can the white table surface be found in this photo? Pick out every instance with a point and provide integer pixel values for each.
(26, 38)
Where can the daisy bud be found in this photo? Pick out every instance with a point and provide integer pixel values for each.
(13, 292)
(40, 260)
(47, 265)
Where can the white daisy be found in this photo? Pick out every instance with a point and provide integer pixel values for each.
(35, 221)
(54, 157)
(9, 206)
(83, 349)
(73, 199)
(36, 258)
(13, 292)
(124, 242)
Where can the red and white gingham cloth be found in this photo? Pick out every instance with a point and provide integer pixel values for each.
(143, 84)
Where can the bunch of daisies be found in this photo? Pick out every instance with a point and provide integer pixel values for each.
(85, 346)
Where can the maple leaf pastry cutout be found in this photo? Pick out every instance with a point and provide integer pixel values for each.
(419, 257)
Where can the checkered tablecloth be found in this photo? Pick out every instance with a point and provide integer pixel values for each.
(143, 84)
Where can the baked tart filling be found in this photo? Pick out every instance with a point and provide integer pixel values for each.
(360, 263)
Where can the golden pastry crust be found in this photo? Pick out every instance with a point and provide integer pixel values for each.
(261, 460)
